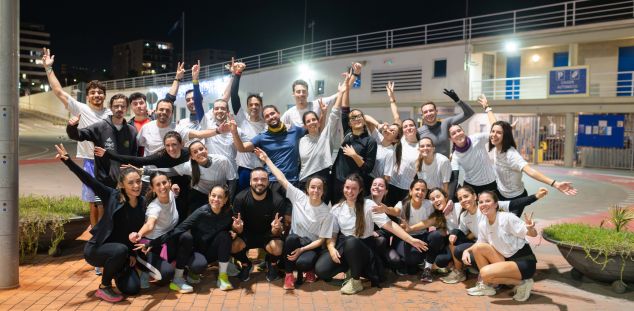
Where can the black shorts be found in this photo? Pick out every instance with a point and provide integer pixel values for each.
(526, 261)
(258, 241)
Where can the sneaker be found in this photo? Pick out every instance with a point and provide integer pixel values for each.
(426, 276)
(481, 289)
(523, 291)
(232, 270)
(310, 277)
(271, 274)
(455, 276)
(289, 281)
(179, 285)
(223, 282)
(245, 273)
(108, 294)
(351, 287)
(401, 271)
(442, 271)
(144, 277)
(193, 278)
(98, 270)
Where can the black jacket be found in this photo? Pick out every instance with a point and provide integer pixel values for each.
(110, 199)
(364, 146)
(105, 135)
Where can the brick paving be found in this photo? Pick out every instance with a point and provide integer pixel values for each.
(69, 283)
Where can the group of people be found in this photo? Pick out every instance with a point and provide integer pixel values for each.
(168, 199)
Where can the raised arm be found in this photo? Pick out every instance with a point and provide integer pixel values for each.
(466, 113)
(517, 206)
(180, 73)
(198, 96)
(482, 100)
(234, 85)
(75, 133)
(276, 171)
(100, 189)
(153, 159)
(393, 107)
(47, 62)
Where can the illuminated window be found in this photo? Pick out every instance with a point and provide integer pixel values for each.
(24, 76)
(162, 46)
(164, 66)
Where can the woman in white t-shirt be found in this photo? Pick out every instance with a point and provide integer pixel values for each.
(161, 216)
(311, 225)
(509, 163)
(400, 166)
(465, 236)
(433, 167)
(351, 246)
(502, 253)
(470, 153)
(315, 152)
(414, 213)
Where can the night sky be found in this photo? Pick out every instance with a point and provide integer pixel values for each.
(83, 32)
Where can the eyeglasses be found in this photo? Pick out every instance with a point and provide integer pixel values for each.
(356, 117)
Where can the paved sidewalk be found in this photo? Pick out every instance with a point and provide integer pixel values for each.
(69, 283)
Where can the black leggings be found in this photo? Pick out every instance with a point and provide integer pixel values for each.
(305, 261)
(503, 198)
(114, 258)
(461, 244)
(405, 254)
(196, 199)
(478, 189)
(395, 195)
(355, 253)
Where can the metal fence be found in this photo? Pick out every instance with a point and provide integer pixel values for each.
(567, 14)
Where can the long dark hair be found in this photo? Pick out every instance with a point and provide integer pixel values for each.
(123, 196)
(151, 195)
(466, 188)
(439, 216)
(170, 134)
(419, 161)
(359, 211)
(507, 136)
(407, 202)
(398, 147)
(194, 165)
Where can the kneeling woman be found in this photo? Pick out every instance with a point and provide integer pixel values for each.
(502, 252)
(310, 226)
(351, 246)
(210, 225)
(109, 246)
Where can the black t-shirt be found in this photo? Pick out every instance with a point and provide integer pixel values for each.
(258, 215)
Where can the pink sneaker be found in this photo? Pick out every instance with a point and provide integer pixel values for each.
(108, 294)
(310, 277)
(289, 281)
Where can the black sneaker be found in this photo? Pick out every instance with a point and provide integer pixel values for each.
(245, 273)
(426, 276)
(271, 274)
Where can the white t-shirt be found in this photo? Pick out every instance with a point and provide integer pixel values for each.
(437, 173)
(476, 161)
(507, 234)
(151, 136)
(315, 152)
(217, 173)
(221, 144)
(382, 154)
(166, 216)
(89, 116)
(249, 129)
(453, 218)
(345, 218)
(294, 115)
(508, 170)
(417, 214)
(313, 222)
(407, 171)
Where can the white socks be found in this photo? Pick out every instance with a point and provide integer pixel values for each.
(222, 267)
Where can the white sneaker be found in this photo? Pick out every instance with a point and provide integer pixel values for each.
(179, 285)
(523, 291)
(352, 287)
(481, 289)
(455, 276)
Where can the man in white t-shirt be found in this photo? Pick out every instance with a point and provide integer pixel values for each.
(90, 113)
(300, 93)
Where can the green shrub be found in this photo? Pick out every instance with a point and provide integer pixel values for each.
(39, 212)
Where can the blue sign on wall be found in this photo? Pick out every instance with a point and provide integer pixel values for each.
(601, 131)
(567, 81)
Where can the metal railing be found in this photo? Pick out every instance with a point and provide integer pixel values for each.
(604, 84)
(567, 14)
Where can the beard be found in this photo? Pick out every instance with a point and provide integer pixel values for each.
(259, 192)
